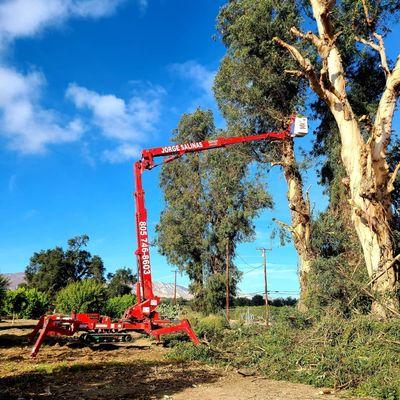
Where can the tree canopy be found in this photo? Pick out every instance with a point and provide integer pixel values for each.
(210, 203)
(52, 269)
(121, 282)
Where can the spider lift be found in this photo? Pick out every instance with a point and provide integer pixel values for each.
(143, 316)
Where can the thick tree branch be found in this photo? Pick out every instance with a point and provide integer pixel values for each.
(295, 72)
(384, 116)
(314, 39)
(306, 67)
(379, 48)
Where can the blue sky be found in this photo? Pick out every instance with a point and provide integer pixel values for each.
(84, 86)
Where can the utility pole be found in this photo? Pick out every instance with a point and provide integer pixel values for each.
(264, 255)
(227, 280)
(175, 271)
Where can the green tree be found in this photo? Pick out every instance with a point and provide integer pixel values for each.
(121, 282)
(52, 269)
(15, 302)
(211, 199)
(116, 306)
(3, 290)
(255, 96)
(25, 303)
(257, 300)
(88, 295)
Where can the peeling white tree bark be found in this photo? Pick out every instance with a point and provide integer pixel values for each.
(300, 227)
(365, 163)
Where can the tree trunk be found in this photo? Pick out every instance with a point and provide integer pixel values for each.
(301, 219)
(368, 172)
(370, 183)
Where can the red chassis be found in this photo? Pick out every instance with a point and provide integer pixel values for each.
(142, 316)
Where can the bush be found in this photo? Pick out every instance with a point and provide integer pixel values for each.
(37, 304)
(169, 311)
(25, 303)
(116, 306)
(3, 290)
(88, 295)
(211, 326)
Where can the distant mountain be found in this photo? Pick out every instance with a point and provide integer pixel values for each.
(161, 289)
(166, 290)
(15, 279)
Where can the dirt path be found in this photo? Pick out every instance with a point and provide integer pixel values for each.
(138, 371)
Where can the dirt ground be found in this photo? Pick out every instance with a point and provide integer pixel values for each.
(138, 370)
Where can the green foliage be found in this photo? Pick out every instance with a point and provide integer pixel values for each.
(3, 290)
(250, 87)
(338, 276)
(85, 296)
(211, 325)
(210, 202)
(52, 269)
(115, 306)
(360, 354)
(215, 293)
(25, 303)
(169, 310)
(257, 300)
(207, 326)
(121, 282)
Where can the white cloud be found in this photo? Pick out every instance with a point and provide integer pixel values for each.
(202, 77)
(123, 152)
(26, 125)
(21, 18)
(118, 119)
(127, 122)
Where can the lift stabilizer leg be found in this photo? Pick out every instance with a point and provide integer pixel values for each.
(183, 326)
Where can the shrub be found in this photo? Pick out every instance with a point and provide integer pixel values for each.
(169, 310)
(211, 325)
(88, 295)
(116, 306)
(37, 304)
(3, 290)
(25, 303)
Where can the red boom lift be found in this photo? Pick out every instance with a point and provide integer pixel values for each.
(142, 316)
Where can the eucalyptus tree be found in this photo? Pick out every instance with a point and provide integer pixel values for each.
(211, 199)
(357, 27)
(254, 95)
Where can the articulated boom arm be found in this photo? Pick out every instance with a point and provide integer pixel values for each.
(172, 152)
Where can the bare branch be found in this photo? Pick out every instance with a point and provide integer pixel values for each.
(306, 66)
(390, 265)
(384, 116)
(324, 47)
(390, 185)
(314, 39)
(295, 72)
(284, 225)
(368, 19)
(378, 47)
